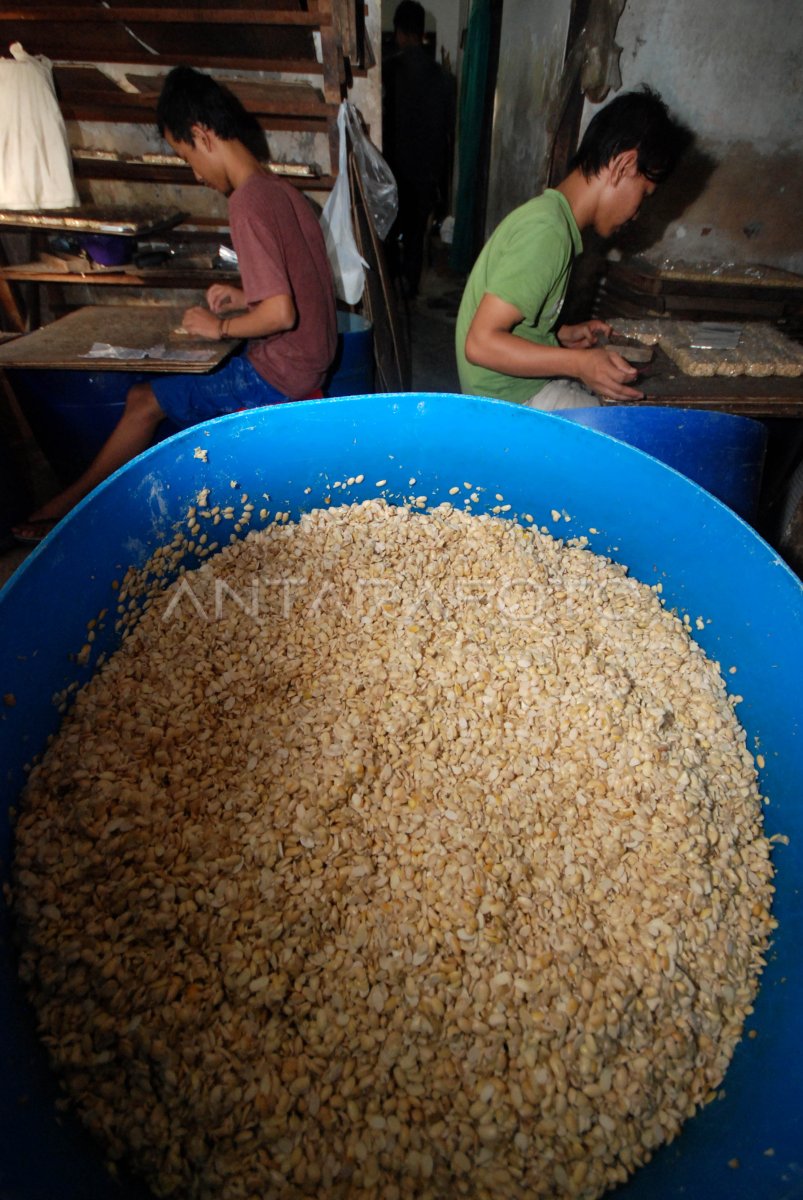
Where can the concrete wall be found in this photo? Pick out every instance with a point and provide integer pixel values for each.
(531, 53)
(734, 73)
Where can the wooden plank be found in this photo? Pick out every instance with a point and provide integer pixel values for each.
(88, 94)
(9, 305)
(345, 18)
(753, 276)
(295, 96)
(752, 291)
(334, 75)
(156, 277)
(95, 14)
(391, 347)
(618, 290)
(151, 173)
(249, 47)
(665, 384)
(130, 115)
(120, 222)
(64, 343)
(723, 303)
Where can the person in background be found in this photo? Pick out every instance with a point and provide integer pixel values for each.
(285, 307)
(509, 340)
(418, 119)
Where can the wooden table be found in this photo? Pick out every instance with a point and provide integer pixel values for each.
(665, 384)
(64, 344)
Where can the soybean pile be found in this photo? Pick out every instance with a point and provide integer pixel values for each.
(394, 854)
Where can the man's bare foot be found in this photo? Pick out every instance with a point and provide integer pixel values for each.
(34, 530)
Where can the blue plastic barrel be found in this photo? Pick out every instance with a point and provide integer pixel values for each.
(15, 499)
(663, 527)
(72, 413)
(352, 372)
(721, 452)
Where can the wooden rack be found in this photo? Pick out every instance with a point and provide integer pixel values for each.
(320, 39)
(316, 45)
(637, 288)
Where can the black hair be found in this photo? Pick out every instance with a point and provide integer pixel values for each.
(189, 98)
(633, 121)
(410, 18)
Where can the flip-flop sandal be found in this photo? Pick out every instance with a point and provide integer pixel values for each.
(30, 533)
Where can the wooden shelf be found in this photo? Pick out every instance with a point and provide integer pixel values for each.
(87, 94)
(166, 14)
(322, 42)
(272, 36)
(138, 172)
(296, 37)
(636, 288)
(156, 277)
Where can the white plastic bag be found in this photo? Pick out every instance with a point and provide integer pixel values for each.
(35, 161)
(348, 265)
(379, 184)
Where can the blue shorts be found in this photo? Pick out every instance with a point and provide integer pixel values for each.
(189, 399)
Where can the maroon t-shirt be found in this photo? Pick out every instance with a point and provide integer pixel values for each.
(281, 251)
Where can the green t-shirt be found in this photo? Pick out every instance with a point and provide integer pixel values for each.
(526, 262)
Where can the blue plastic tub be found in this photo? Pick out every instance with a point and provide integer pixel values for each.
(660, 524)
(722, 452)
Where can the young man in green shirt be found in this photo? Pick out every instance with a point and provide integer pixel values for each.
(509, 341)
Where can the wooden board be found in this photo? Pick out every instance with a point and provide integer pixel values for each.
(648, 276)
(122, 222)
(287, 96)
(391, 349)
(180, 276)
(62, 344)
(665, 384)
(267, 36)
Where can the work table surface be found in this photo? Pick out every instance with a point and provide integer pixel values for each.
(772, 396)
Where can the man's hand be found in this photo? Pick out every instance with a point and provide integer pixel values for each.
(491, 343)
(582, 337)
(200, 322)
(223, 298)
(607, 374)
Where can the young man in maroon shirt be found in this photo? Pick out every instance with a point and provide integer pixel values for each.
(285, 307)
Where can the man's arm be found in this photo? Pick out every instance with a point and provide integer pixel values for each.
(491, 343)
(274, 315)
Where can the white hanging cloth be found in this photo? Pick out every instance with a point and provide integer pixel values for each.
(35, 162)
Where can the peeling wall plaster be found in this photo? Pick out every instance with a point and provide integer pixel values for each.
(531, 51)
(735, 75)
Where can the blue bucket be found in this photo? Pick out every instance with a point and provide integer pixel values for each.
(352, 372)
(662, 526)
(721, 452)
